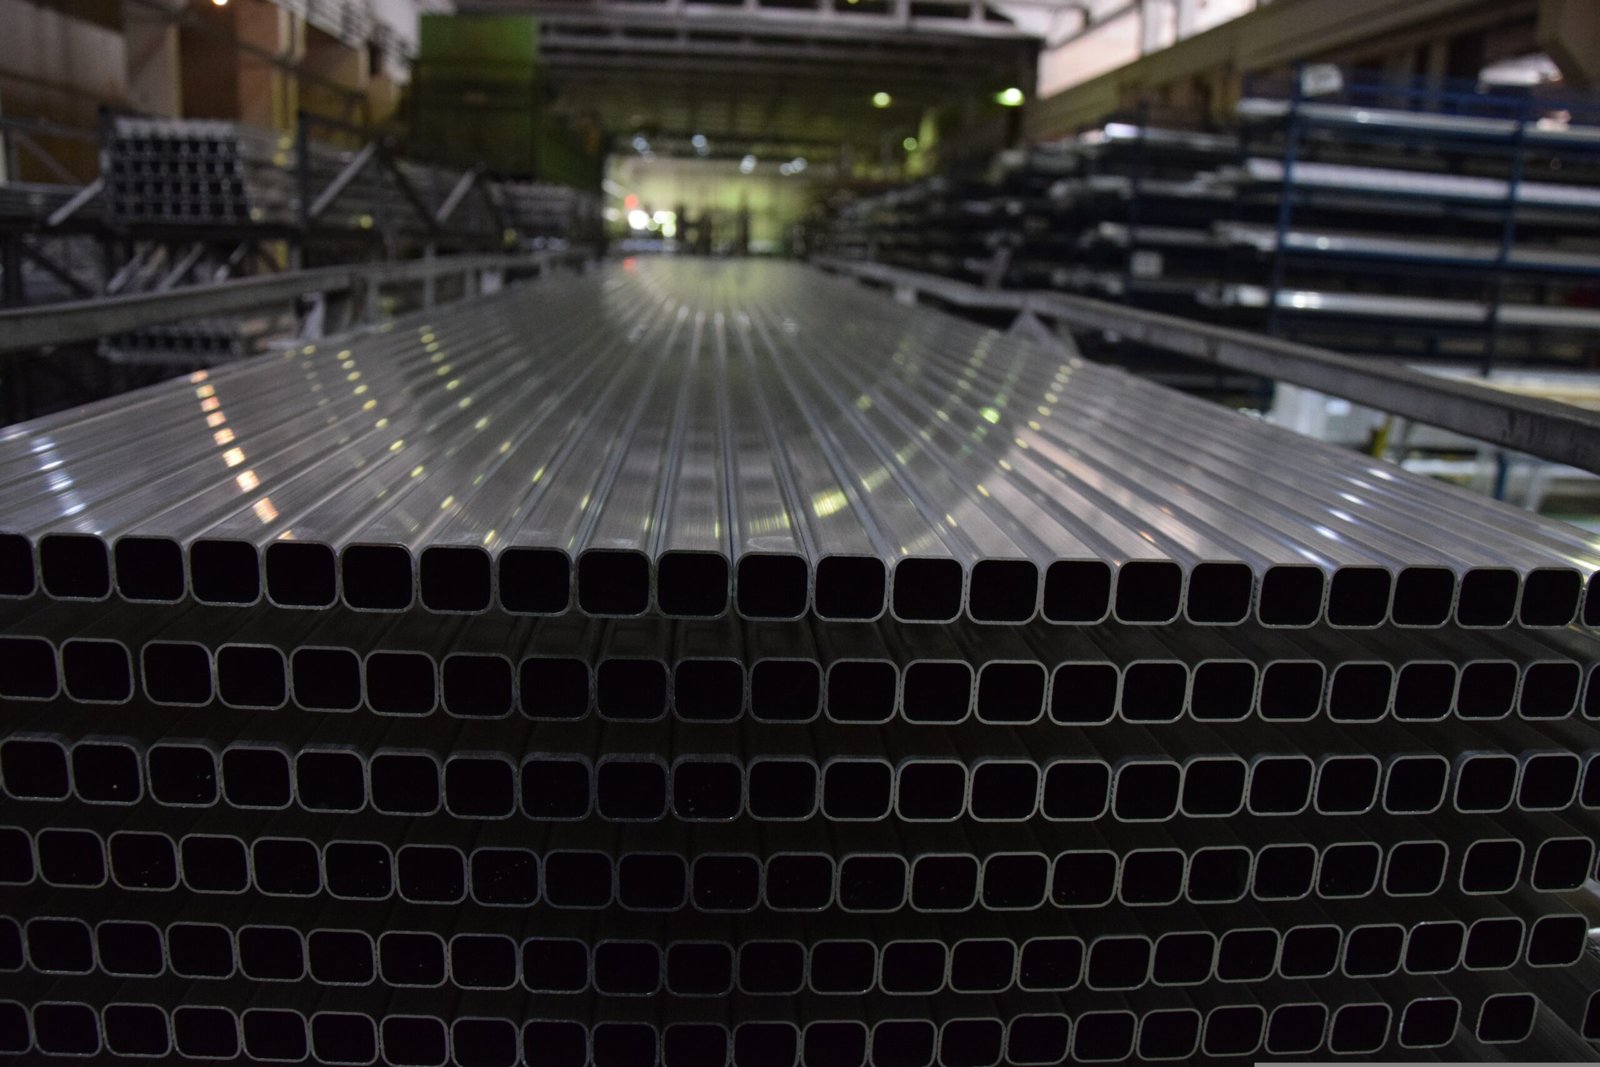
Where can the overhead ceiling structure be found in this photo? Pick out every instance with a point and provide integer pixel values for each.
(773, 76)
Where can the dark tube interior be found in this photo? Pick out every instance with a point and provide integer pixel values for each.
(771, 967)
(1220, 593)
(1083, 694)
(785, 690)
(1549, 781)
(1359, 1029)
(28, 668)
(931, 790)
(287, 867)
(725, 883)
(1550, 596)
(330, 781)
(1147, 791)
(783, 788)
(327, 679)
(707, 790)
(75, 566)
(534, 581)
(1486, 783)
(1083, 879)
(693, 584)
(1154, 691)
(851, 587)
(408, 958)
(843, 966)
(612, 582)
(477, 687)
(1281, 785)
(1309, 952)
(1003, 590)
(927, 590)
(937, 691)
(143, 860)
(401, 683)
(699, 968)
(224, 572)
(483, 961)
(1550, 689)
(1218, 875)
(1005, 790)
(71, 857)
(1435, 947)
(619, 1044)
(631, 790)
(97, 671)
(1247, 955)
(455, 578)
(627, 968)
(578, 879)
(176, 672)
(16, 566)
(1010, 692)
(136, 1030)
(758, 1043)
(1038, 1039)
(480, 787)
(1423, 596)
(376, 577)
(271, 953)
(256, 777)
(1424, 692)
(632, 689)
(693, 1044)
(1234, 1030)
(1284, 872)
(555, 965)
(1103, 1036)
(1119, 962)
(182, 774)
(652, 881)
(772, 586)
(300, 574)
(1169, 1034)
(1184, 958)
(404, 783)
(252, 676)
(913, 967)
(553, 688)
(1360, 692)
(1430, 1022)
(149, 568)
(555, 788)
(1291, 690)
(872, 883)
(944, 883)
(1488, 597)
(1415, 784)
(1073, 790)
(1152, 876)
(1373, 951)
(1359, 596)
(1291, 595)
(903, 1043)
(1149, 591)
(1214, 786)
(1347, 785)
(200, 950)
(708, 690)
(862, 690)
(106, 773)
(1223, 690)
(1487, 690)
(35, 769)
(856, 789)
(982, 965)
(1077, 591)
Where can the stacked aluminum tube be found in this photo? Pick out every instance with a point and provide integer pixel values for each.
(711, 663)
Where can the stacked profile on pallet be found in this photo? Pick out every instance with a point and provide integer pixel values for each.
(693, 664)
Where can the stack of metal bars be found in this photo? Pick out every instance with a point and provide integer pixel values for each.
(698, 663)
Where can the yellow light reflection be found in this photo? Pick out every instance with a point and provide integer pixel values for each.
(247, 480)
(264, 509)
(223, 436)
(215, 419)
(233, 457)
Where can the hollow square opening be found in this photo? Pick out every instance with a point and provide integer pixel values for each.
(534, 581)
(149, 569)
(851, 587)
(300, 574)
(74, 567)
(455, 578)
(772, 586)
(376, 577)
(927, 590)
(1220, 593)
(224, 572)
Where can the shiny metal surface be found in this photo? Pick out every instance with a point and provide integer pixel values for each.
(686, 438)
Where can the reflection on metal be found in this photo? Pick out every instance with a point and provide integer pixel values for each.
(492, 797)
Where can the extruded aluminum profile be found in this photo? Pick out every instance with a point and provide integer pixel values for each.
(685, 443)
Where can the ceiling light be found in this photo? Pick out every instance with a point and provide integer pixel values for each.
(881, 99)
(638, 219)
(701, 145)
(747, 165)
(1011, 97)
(909, 144)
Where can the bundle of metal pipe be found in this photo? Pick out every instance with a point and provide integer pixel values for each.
(700, 664)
